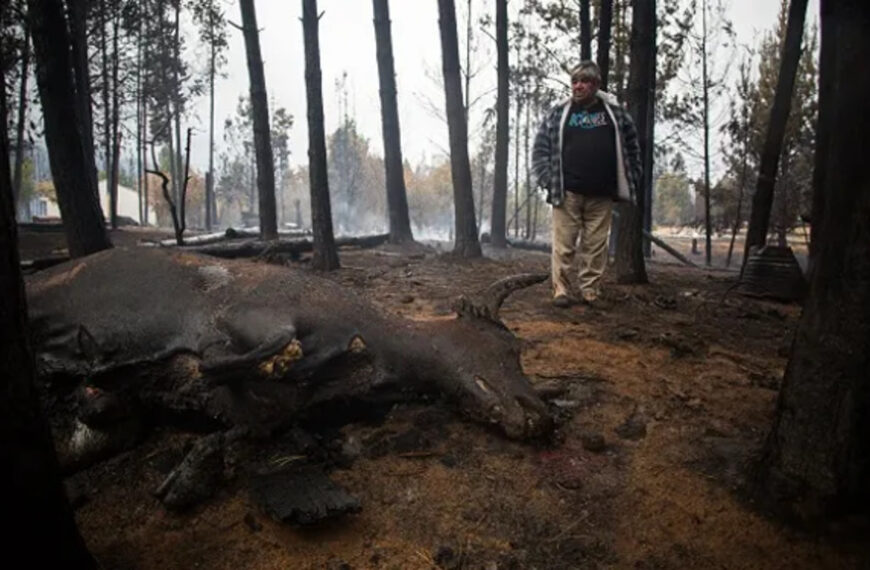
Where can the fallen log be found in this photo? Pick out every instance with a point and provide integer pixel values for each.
(256, 247)
(32, 265)
(669, 249)
(232, 234)
(254, 232)
(529, 245)
(545, 247)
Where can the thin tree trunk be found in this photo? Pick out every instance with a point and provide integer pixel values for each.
(35, 507)
(619, 56)
(528, 229)
(112, 176)
(517, 121)
(209, 186)
(71, 163)
(482, 183)
(82, 77)
(139, 123)
(741, 186)
(605, 25)
(762, 201)
(262, 133)
(176, 97)
(502, 134)
(107, 108)
(585, 31)
(782, 223)
(144, 142)
(468, 31)
(325, 252)
(466, 242)
(22, 118)
(630, 265)
(182, 203)
(827, 89)
(816, 460)
(708, 245)
(397, 198)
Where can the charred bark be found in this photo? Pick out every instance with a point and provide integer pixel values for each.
(20, 121)
(827, 91)
(82, 74)
(262, 133)
(397, 198)
(325, 252)
(466, 242)
(71, 159)
(292, 247)
(585, 31)
(605, 28)
(705, 88)
(112, 170)
(107, 107)
(762, 201)
(35, 508)
(498, 232)
(177, 221)
(209, 181)
(630, 265)
(816, 461)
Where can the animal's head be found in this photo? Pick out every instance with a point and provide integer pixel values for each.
(482, 368)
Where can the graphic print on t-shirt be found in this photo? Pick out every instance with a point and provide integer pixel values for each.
(586, 120)
(589, 151)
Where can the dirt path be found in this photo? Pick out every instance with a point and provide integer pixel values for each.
(679, 378)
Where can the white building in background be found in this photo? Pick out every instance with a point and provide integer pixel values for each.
(128, 205)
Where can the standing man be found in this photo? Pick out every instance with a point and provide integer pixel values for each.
(586, 155)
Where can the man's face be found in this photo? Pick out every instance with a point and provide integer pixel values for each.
(583, 88)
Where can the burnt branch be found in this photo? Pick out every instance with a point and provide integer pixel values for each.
(179, 231)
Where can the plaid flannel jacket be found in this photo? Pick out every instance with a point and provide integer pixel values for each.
(547, 151)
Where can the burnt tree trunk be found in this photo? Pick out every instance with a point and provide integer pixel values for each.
(520, 99)
(397, 197)
(34, 505)
(705, 79)
(630, 265)
(139, 122)
(112, 174)
(762, 201)
(20, 121)
(605, 25)
(466, 244)
(107, 107)
(177, 101)
(325, 252)
(816, 460)
(72, 164)
(827, 90)
(585, 31)
(212, 71)
(82, 73)
(502, 134)
(262, 134)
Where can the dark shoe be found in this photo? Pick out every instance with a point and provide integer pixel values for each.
(562, 301)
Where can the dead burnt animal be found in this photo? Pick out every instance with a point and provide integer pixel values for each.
(234, 344)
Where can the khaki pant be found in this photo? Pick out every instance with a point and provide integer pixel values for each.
(590, 219)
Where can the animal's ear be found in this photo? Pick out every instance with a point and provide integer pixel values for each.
(486, 304)
(88, 345)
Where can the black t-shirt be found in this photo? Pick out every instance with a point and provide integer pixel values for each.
(589, 151)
